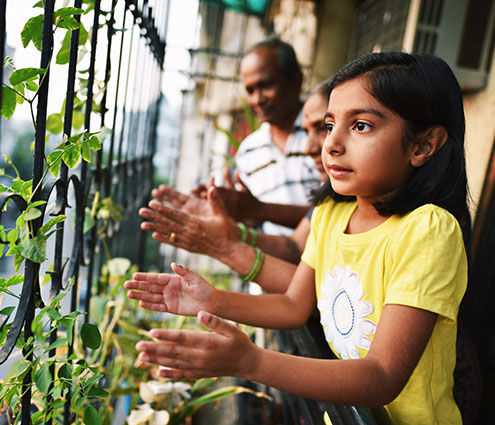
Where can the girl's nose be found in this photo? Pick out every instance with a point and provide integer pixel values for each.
(333, 144)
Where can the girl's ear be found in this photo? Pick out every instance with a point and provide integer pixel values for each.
(427, 144)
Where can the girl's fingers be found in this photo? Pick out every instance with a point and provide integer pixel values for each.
(178, 336)
(155, 278)
(216, 324)
(161, 307)
(140, 285)
(146, 297)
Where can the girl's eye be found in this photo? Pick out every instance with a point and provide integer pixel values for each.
(328, 127)
(362, 126)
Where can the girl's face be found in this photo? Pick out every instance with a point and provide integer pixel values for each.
(364, 153)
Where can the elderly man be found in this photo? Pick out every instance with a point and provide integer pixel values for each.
(271, 161)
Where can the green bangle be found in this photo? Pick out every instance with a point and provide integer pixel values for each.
(254, 236)
(256, 267)
(242, 228)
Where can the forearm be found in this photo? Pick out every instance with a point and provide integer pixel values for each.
(273, 311)
(362, 381)
(280, 247)
(275, 274)
(286, 215)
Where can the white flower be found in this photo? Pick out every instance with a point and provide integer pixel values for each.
(145, 415)
(151, 390)
(343, 313)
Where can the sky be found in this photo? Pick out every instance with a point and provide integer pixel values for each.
(182, 34)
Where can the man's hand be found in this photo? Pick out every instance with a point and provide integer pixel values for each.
(191, 204)
(183, 293)
(204, 235)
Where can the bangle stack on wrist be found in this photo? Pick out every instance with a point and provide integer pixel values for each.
(242, 228)
(256, 267)
(244, 231)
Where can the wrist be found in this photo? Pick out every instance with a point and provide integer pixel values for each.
(250, 362)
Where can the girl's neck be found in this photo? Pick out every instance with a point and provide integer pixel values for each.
(364, 218)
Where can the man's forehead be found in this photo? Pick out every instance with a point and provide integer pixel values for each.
(262, 59)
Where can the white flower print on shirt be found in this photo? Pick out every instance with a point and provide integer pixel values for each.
(343, 313)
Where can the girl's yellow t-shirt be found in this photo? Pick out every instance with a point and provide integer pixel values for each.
(416, 260)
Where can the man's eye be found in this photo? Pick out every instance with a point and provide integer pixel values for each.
(362, 126)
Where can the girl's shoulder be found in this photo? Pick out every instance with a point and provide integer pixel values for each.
(429, 222)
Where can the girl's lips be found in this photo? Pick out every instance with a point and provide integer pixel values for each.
(337, 172)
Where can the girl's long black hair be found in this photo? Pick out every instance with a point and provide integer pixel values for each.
(423, 90)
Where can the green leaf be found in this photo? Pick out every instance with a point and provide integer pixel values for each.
(13, 235)
(78, 120)
(54, 163)
(24, 74)
(31, 85)
(9, 102)
(94, 143)
(97, 392)
(65, 371)
(7, 311)
(20, 89)
(33, 249)
(91, 416)
(52, 222)
(43, 378)
(54, 123)
(71, 155)
(53, 313)
(67, 22)
(18, 259)
(15, 280)
(91, 336)
(67, 11)
(32, 214)
(32, 31)
(85, 152)
(58, 343)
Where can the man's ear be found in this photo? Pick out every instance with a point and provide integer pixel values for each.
(428, 144)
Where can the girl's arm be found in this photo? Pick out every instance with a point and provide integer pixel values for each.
(187, 293)
(217, 236)
(374, 380)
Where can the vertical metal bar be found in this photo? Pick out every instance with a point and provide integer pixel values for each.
(32, 269)
(111, 32)
(87, 121)
(3, 8)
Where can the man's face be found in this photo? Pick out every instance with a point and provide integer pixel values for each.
(269, 93)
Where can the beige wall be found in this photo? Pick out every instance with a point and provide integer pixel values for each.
(480, 134)
(335, 23)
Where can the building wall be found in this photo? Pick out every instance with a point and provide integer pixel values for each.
(335, 23)
(480, 134)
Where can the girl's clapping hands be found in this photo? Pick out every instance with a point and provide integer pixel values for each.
(183, 293)
(226, 351)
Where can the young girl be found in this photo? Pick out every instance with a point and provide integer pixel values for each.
(384, 262)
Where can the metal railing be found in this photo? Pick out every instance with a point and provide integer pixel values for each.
(122, 170)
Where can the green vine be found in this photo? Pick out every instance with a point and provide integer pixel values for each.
(102, 364)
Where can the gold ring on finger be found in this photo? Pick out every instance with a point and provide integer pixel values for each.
(173, 236)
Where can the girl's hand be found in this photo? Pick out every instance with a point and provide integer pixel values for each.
(227, 351)
(184, 293)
